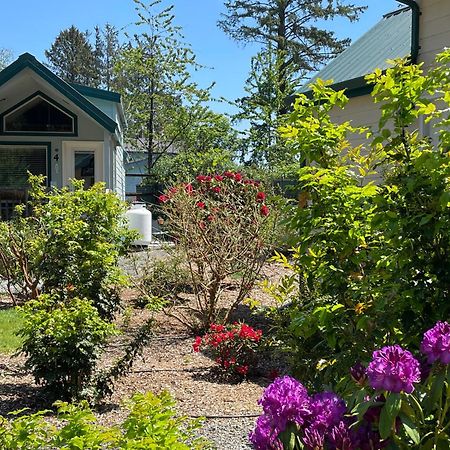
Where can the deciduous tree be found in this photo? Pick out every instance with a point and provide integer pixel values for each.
(160, 97)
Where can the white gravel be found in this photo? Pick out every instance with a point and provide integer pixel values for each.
(229, 434)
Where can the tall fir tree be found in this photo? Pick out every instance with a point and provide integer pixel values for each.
(6, 57)
(72, 57)
(292, 46)
(291, 26)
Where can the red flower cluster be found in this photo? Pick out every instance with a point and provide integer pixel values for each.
(233, 346)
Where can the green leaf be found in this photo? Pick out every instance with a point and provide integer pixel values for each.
(410, 428)
(426, 219)
(388, 414)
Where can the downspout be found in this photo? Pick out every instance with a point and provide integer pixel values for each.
(415, 30)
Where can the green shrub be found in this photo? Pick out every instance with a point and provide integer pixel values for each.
(152, 423)
(371, 262)
(62, 339)
(164, 279)
(73, 239)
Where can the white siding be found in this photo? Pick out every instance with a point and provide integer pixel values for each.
(119, 172)
(434, 28)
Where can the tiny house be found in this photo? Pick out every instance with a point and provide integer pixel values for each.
(57, 129)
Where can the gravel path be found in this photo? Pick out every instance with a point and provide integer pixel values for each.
(229, 434)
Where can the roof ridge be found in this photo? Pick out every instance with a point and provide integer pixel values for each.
(395, 12)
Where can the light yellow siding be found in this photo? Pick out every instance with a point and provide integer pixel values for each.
(434, 29)
(434, 37)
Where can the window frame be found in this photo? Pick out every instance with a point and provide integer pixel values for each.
(46, 98)
(47, 145)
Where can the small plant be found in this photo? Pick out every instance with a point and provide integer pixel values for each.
(224, 227)
(62, 340)
(233, 346)
(163, 279)
(152, 423)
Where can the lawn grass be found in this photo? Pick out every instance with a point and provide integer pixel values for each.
(10, 321)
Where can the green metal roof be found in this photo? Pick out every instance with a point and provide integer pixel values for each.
(97, 93)
(29, 61)
(388, 39)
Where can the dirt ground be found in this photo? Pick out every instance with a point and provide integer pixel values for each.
(167, 363)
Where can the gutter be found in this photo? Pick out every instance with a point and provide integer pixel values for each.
(415, 30)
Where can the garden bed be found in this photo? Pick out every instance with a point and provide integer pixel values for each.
(167, 363)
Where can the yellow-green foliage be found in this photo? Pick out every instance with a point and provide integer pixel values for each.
(372, 262)
(152, 423)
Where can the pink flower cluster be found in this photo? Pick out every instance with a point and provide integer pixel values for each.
(233, 346)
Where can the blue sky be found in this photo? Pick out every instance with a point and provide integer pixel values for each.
(31, 26)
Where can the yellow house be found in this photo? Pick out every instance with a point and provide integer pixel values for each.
(420, 29)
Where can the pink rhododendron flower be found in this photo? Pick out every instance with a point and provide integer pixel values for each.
(393, 369)
(163, 198)
(264, 210)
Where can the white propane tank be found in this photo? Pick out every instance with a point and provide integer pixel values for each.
(140, 219)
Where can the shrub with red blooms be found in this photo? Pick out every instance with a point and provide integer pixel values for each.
(233, 346)
(224, 226)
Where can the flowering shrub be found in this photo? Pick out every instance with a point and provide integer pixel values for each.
(233, 346)
(224, 226)
(396, 403)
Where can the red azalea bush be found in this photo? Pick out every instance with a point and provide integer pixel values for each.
(224, 226)
(233, 346)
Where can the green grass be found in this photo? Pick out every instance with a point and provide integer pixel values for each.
(10, 321)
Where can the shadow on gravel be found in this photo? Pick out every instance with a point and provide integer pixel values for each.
(17, 396)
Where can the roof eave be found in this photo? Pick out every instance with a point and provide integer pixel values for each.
(29, 61)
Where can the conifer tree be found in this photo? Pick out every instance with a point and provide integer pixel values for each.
(72, 57)
(291, 27)
(6, 57)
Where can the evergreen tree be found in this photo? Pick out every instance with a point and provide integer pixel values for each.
(111, 51)
(259, 109)
(292, 45)
(291, 27)
(72, 58)
(6, 57)
(106, 53)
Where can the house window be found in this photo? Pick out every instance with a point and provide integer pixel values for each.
(85, 167)
(17, 161)
(38, 115)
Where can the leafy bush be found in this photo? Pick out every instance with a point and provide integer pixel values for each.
(233, 346)
(62, 340)
(163, 279)
(371, 261)
(73, 238)
(222, 225)
(151, 423)
(396, 402)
